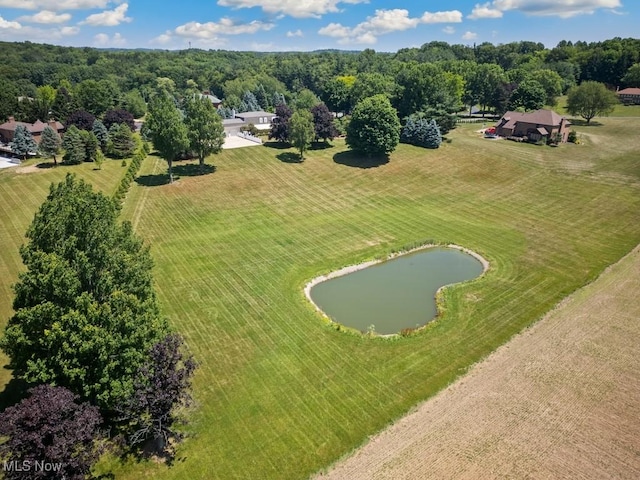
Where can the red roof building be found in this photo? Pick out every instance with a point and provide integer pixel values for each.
(534, 125)
(8, 129)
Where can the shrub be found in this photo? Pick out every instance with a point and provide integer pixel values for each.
(572, 137)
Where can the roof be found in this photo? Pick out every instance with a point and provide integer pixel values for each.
(227, 122)
(212, 98)
(538, 117)
(629, 91)
(258, 113)
(36, 127)
(542, 131)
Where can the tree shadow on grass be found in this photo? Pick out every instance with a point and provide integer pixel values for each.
(289, 157)
(277, 145)
(188, 170)
(321, 145)
(45, 165)
(579, 122)
(13, 392)
(359, 160)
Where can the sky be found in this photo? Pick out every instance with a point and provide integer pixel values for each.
(305, 25)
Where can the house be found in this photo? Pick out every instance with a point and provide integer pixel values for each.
(629, 96)
(259, 119)
(8, 129)
(212, 98)
(535, 126)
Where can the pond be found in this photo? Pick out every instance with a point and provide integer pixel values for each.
(395, 294)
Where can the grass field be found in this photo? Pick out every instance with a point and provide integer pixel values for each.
(280, 393)
(561, 400)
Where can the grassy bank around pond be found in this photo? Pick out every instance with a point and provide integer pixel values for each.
(282, 395)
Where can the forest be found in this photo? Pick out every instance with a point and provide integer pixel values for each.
(56, 81)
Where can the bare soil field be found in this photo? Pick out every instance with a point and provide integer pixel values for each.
(560, 400)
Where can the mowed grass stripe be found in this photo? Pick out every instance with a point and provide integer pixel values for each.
(276, 383)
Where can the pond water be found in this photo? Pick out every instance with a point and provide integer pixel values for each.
(395, 294)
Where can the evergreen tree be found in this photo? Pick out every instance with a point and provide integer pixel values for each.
(23, 142)
(280, 124)
(249, 102)
(50, 144)
(420, 131)
(262, 97)
(374, 128)
(301, 131)
(121, 144)
(101, 133)
(63, 105)
(86, 313)
(90, 143)
(73, 145)
(278, 99)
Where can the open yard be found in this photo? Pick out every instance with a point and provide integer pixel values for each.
(280, 393)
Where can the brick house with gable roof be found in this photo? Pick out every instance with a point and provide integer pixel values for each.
(8, 129)
(629, 96)
(537, 125)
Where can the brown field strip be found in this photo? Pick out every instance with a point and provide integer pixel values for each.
(560, 400)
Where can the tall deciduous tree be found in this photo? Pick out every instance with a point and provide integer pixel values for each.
(86, 312)
(161, 386)
(280, 124)
(301, 131)
(23, 142)
(323, 123)
(50, 143)
(529, 95)
(591, 99)
(118, 116)
(81, 119)
(374, 128)
(166, 129)
(204, 128)
(51, 428)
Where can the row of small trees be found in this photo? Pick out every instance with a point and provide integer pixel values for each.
(88, 334)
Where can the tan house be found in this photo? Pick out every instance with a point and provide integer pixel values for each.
(8, 129)
(537, 125)
(629, 96)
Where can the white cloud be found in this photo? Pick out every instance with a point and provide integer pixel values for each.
(225, 26)
(559, 8)
(469, 35)
(293, 8)
(484, 11)
(384, 21)
(297, 33)
(46, 17)
(108, 18)
(103, 40)
(5, 24)
(449, 30)
(57, 5)
(451, 16)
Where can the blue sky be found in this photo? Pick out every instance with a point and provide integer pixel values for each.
(275, 25)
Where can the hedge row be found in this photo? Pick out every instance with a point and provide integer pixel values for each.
(134, 166)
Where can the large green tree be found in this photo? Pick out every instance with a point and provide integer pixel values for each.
(374, 128)
(50, 144)
(301, 131)
(591, 99)
(204, 128)
(529, 95)
(166, 129)
(86, 312)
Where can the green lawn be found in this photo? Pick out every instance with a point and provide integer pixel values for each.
(281, 394)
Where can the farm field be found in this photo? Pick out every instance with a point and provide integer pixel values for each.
(561, 400)
(280, 393)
